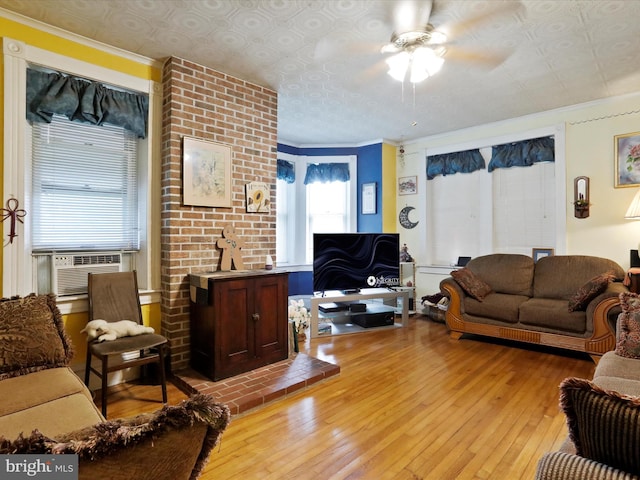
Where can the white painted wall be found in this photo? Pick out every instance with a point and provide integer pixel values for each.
(589, 151)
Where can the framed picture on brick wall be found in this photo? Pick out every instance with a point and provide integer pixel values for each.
(206, 173)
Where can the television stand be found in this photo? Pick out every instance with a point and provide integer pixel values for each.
(350, 291)
(364, 294)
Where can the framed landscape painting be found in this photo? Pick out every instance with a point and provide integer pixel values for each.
(627, 159)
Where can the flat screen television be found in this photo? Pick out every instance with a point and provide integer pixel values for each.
(352, 261)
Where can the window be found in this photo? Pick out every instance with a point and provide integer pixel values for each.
(510, 210)
(136, 226)
(85, 182)
(316, 207)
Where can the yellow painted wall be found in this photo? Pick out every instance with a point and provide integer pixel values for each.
(389, 187)
(56, 44)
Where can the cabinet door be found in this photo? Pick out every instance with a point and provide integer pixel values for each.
(234, 350)
(270, 306)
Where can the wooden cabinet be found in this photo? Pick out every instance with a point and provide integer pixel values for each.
(238, 321)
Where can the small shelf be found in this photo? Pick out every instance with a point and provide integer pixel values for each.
(339, 321)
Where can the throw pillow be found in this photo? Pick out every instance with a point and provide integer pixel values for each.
(630, 302)
(628, 334)
(471, 283)
(603, 425)
(32, 336)
(589, 291)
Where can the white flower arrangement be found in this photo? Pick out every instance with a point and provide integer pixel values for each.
(299, 315)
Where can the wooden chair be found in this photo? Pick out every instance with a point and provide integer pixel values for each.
(114, 297)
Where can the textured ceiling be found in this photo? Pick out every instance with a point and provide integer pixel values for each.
(323, 57)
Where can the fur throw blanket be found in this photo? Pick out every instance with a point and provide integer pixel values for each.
(106, 331)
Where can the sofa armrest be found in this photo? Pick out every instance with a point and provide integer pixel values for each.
(603, 311)
(170, 444)
(565, 466)
(453, 316)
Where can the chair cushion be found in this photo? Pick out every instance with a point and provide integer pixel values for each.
(127, 344)
(603, 425)
(32, 336)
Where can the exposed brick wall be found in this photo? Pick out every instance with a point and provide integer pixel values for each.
(206, 104)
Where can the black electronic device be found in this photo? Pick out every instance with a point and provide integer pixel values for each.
(357, 307)
(375, 316)
(331, 307)
(462, 261)
(634, 259)
(351, 261)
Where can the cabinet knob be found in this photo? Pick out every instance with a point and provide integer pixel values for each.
(255, 317)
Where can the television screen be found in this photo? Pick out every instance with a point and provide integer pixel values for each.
(350, 261)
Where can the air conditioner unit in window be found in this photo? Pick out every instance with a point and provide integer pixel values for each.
(70, 270)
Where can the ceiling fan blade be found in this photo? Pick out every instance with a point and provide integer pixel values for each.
(332, 47)
(498, 9)
(478, 57)
(409, 15)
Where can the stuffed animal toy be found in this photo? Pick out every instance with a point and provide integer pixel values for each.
(106, 331)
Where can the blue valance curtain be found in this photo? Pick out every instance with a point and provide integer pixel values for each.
(327, 172)
(84, 101)
(457, 162)
(522, 154)
(286, 171)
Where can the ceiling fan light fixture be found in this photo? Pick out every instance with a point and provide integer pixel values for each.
(398, 65)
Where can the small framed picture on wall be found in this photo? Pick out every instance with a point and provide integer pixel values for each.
(408, 185)
(369, 198)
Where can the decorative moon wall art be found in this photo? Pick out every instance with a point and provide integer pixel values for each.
(403, 217)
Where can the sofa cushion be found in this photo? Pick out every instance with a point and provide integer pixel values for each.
(52, 418)
(613, 365)
(560, 276)
(32, 336)
(471, 283)
(38, 388)
(589, 291)
(552, 314)
(629, 302)
(505, 273)
(628, 335)
(173, 442)
(603, 425)
(497, 306)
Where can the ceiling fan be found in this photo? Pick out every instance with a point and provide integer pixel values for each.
(419, 49)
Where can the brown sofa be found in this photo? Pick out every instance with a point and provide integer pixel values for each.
(45, 408)
(529, 302)
(603, 416)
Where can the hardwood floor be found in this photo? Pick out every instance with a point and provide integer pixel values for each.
(408, 404)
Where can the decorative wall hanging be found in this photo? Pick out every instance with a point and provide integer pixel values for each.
(13, 213)
(206, 173)
(403, 218)
(408, 185)
(257, 194)
(581, 197)
(230, 244)
(627, 158)
(369, 198)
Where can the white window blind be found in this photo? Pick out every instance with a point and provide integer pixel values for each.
(460, 210)
(524, 203)
(84, 187)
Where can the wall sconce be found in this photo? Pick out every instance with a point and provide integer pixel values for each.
(581, 197)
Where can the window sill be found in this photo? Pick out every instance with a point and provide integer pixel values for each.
(78, 303)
